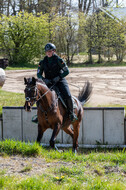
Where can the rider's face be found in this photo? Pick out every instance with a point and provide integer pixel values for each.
(50, 53)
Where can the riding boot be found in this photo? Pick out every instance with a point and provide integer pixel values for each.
(35, 119)
(72, 115)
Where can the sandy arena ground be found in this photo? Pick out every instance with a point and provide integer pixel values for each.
(109, 83)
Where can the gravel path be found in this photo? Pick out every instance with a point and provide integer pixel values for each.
(26, 166)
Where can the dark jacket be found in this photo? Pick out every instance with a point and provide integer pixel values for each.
(52, 67)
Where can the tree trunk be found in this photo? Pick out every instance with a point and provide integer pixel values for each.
(68, 54)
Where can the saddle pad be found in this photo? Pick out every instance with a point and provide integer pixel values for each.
(74, 103)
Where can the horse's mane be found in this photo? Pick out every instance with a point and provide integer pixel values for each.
(40, 81)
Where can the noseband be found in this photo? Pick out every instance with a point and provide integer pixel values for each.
(28, 99)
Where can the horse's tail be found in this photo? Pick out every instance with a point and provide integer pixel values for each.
(85, 93)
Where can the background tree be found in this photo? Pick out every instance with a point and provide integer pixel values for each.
(118, 42)
(66, 36)
(113, 38)
(99, 34)
(23, 36)
(13, 7)
(89, 29)
(84, 6)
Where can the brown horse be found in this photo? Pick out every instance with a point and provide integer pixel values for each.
(51, 112)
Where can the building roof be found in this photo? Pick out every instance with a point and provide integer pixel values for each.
(117, 13)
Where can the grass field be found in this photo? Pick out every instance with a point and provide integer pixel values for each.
(11, 99)
(90, 169)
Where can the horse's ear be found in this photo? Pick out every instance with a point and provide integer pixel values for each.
(34, 80)
(25, 81)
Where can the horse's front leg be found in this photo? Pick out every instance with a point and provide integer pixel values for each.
(54, 135)
(40, 133)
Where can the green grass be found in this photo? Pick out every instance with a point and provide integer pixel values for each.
(11, 147)
(107, 105)
(90, 169)
(11, 99)
(24, 67)
(104, 64)
(74, 65)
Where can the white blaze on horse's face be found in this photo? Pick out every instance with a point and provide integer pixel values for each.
(30, 97)
(27, 106)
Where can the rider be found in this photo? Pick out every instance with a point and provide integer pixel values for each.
(55, 69)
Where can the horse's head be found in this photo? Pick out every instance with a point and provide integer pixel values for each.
(30, 93)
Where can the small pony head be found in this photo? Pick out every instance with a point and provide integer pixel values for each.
(30, 93)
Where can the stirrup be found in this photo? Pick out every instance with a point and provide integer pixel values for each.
(73, 117)
(35, 119)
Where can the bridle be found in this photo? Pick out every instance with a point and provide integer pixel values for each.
(28, 99)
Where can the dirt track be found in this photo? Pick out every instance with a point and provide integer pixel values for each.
(109, 83)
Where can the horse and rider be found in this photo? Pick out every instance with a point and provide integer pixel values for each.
(52, 96)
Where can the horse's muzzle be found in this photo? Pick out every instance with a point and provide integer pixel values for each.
(27, 99)
(27, 106)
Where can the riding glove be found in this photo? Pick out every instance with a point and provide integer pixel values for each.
(56, 79)
(47, 81)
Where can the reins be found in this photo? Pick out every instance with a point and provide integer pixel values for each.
(46, 92)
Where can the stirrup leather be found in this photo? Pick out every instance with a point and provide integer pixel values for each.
(73, 117)
(35, 119)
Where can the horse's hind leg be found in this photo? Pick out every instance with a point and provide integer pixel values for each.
(69, 131)
(54, 135)
(76, 127)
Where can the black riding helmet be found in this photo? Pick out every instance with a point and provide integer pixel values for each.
(50, 46)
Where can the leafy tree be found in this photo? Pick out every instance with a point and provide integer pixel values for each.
(23, 36)
(65, 36)
(114, 38)
(81, 33)
(118, 42)
(105, 36)
(89, 29)
(99, 34)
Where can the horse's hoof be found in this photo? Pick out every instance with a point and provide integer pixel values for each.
(52, 144)
(58, 149)
(74, 151)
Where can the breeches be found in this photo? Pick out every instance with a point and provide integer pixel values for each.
(63, 87)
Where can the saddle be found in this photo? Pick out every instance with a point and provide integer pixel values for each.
(59, 96)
